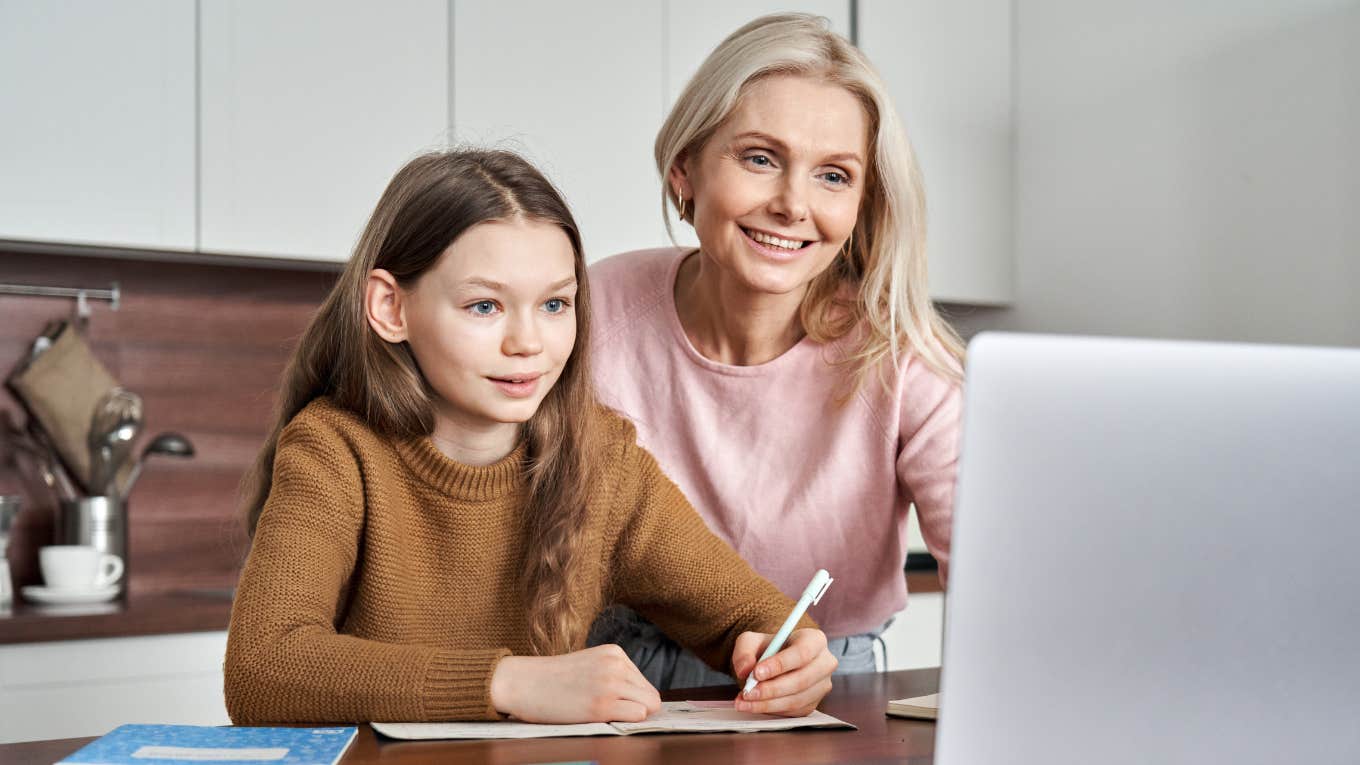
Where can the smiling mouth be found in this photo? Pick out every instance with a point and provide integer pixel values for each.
(517, 379)
(770, 240)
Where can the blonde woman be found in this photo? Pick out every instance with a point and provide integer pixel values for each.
(442, 509)
(791, 374)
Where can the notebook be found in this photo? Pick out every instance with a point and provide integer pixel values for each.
(919, 707)
(674, 717)
(164, 744)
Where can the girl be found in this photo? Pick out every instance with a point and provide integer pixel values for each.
(442, 508)
(813, 391)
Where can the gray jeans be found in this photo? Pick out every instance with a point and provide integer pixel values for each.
(666, 664)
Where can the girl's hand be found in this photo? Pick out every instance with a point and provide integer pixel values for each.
(598, 684)
(793, 681)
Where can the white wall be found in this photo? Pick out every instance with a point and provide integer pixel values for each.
(1187, 170)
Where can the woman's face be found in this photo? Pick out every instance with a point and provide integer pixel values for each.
(776, 190)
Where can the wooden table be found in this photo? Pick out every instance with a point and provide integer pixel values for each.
(857, 699)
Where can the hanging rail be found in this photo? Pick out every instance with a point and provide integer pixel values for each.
(81, 295)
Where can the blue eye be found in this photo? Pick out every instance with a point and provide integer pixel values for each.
(836, 178)
(483, 308)
(759, 160)
(556, 305)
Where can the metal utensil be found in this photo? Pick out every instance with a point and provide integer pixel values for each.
(169, 444)
(115, 425)
(120, 450)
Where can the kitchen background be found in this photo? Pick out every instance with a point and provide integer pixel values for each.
(1160, 169)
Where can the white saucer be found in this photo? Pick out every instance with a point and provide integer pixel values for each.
(49, 596)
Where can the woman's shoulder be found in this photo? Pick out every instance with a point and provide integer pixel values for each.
(634, 266)
(628, 284)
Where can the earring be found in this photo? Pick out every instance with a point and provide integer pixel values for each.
(681, 206)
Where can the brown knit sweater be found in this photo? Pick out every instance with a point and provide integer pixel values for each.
(383, 579)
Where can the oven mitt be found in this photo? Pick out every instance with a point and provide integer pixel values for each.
(60, 388)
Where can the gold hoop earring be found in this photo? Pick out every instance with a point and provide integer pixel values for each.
(681, 206)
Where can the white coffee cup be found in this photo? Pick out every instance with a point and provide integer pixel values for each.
(78, 568)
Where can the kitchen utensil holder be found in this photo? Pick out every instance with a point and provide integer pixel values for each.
(97, 521)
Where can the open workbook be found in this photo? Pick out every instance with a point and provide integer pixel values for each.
(674, 717)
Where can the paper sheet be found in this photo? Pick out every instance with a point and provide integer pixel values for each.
(674, 717)
(706, 717)
(507, 729)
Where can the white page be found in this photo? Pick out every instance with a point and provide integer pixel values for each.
(507, 729)
(674, 717)
(709, 717)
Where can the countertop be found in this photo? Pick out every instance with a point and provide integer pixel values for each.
(185, 611)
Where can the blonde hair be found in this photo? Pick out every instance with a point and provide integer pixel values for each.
(884, 261)
(428, 204)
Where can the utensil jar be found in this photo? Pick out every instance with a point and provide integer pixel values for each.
(97, 521)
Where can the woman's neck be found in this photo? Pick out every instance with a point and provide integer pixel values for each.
(729, 324)
(473, 445)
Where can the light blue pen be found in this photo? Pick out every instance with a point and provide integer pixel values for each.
(811, 596)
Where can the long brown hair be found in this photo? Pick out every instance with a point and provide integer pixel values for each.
(428, 204)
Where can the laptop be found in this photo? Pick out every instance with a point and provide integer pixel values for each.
(1156, 555)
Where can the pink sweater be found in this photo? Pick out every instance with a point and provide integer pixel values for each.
(782, 472)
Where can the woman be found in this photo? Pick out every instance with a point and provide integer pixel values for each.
(791, 375)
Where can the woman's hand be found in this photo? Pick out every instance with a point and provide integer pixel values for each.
(793, 681)
(598, 684)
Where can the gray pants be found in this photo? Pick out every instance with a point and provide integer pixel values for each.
(668, 665)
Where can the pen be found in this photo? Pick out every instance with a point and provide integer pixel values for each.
(811, 596)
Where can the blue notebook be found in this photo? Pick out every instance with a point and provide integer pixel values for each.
(164, 744)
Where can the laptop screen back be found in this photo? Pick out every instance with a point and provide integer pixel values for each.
(1156, 555)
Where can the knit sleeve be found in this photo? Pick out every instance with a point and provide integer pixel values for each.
(679, 575)
(285, 661)
(928, 454)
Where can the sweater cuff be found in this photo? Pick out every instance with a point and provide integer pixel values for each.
(458, 685)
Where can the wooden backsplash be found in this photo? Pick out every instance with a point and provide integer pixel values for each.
(204, 346)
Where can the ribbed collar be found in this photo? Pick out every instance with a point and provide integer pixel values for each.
(465, 482)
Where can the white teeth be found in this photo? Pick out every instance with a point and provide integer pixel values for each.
(774, 241)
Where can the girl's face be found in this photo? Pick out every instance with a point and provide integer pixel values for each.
(493, 323)
(776, 189)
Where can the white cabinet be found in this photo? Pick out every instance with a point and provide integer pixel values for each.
(948, 68)
(307, 108)
(695, 28)
(579, 94)
(97, 134)
(258, 128)
(70, 688)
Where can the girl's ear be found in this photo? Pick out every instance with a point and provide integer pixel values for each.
(383, 306)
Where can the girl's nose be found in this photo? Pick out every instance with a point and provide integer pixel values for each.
(522, 337)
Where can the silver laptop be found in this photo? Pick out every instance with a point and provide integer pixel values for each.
(1156, 555)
